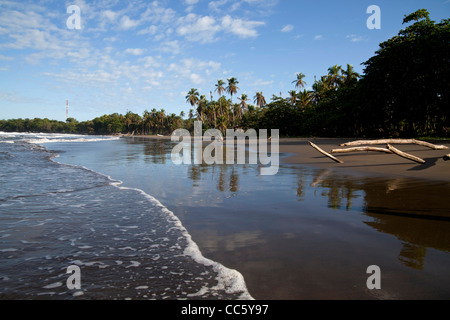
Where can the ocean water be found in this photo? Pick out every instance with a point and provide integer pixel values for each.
(141, 227)
(125, 242)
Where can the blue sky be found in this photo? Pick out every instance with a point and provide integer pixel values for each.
(138, 55)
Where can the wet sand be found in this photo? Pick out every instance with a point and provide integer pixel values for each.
(305, 251)
(435, 168)
(310, 231)
(298, 151)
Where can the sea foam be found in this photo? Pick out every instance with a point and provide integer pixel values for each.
(227, 280)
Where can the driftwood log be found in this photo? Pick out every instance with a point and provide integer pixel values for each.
(405, 155)
(394, 141)
(361, 149)
(325, 153)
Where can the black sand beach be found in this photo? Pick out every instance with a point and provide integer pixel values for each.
(311, 231)
(435, 167)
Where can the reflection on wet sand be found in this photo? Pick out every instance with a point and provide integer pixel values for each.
(417, 212)
(303, 216)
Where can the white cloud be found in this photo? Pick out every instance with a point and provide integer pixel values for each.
(96, 79)
(241, 28)
(15, 97)
(34, 30)
(134, 52)
(155, 14)
(2, 57)
(356, 38)
(196, 79)
(193, 71)
(149, 30)
(110, 15)
(172, 47)
(216, 5)
(261, 83)
(22, 20)
(126, 23)
(318, 37)
(196, 28)
(150, 62)
(110, 39)
(259, 6)
(256, 1)
(206, 28)
(288, 28)
(127, 89)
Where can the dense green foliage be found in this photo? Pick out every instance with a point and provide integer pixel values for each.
(407, 83)
(404, 91)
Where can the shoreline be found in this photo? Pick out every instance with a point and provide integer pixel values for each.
(297, 151)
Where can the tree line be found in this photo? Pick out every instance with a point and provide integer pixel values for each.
(403, 92)
(151, 122)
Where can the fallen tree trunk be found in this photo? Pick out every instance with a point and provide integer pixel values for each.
(405, 155)
(325, 153)
(394, 141)
(361, 149)
(447, 157)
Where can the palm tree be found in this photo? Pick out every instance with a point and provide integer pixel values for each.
(243, 99)
(223, 106)
(146, 118)
(293, 97)
(209, 112)
(260, 100)
(222, 123)
(128, 120)
(320, 87)
(162, 116)
(299, 83)
(172, 121)
(334, 75)
(214, 110)
(232, 87)
(276, 98)
(201, 106)
(350, 76)
(155, 122)
(237, 114)
(192, 97)
(153, 119)
(132, 121)
(305, 98)
(220, 89)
